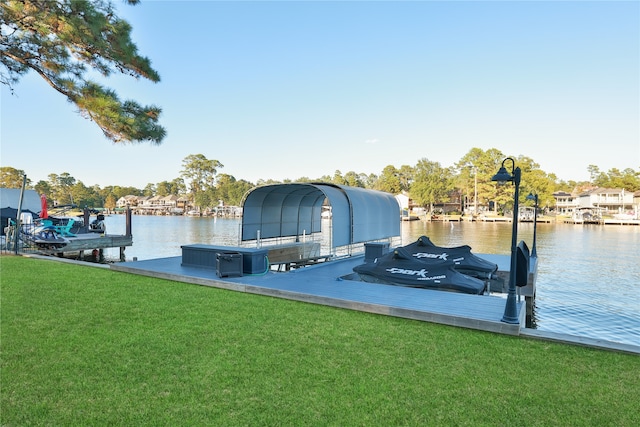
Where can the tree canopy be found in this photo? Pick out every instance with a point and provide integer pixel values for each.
(428, 183)
(432, 183)
(200, 175)
(63, 41)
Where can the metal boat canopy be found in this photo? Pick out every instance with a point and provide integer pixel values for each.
(9, 198)
(283, 210)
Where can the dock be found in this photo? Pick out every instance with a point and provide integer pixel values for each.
(89, 242)
(539, 220)
(492, 218)
(81, 239)
(614, 221)
(328, 284)
(77, 245)
(443, 217)
(605, 221)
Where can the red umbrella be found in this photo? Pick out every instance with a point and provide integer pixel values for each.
(43, 202)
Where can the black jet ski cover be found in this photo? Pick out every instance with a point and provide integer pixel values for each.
(465, 262)
(401, 268)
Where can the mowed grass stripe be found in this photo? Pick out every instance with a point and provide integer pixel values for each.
(89, 346)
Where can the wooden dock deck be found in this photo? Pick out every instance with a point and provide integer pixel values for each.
(325, 284)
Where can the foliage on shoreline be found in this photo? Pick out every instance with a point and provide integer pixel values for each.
(427, 183)
(89, 346)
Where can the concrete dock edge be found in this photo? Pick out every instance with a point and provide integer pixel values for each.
(581, 341)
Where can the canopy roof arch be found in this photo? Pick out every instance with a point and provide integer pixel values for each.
(284, 210)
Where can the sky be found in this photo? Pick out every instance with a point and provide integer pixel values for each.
(283, 90)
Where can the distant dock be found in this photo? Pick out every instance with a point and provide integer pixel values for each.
(442, 217)
(602, 221)
(621, 221)
(492, 218)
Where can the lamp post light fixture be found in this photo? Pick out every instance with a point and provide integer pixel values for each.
(534, 197)
(503, 176)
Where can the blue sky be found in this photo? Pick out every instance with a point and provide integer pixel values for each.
(289, 89)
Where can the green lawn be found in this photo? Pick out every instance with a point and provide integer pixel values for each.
(89, 346)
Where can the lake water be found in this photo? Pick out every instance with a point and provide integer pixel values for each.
(588, 275)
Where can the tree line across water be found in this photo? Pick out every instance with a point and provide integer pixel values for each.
(427, 183)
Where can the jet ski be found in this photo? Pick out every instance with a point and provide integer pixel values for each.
(43, 237)
(465, 262)
(401, 268)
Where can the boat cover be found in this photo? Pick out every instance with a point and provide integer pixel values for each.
(401, 268)
(465, 262)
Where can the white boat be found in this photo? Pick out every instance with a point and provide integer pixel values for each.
(624, 216)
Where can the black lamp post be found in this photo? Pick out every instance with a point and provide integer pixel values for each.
(503, 176)
(534, 197)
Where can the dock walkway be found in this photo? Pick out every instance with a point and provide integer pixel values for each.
(325, 284)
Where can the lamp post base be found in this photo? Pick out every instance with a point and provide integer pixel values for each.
(511, 320)
(511, 310)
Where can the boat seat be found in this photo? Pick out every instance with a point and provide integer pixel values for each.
(65, 230)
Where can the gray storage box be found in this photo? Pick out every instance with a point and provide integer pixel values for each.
(375, 250)
(199, 256)
(254, 261)
(228, 264)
